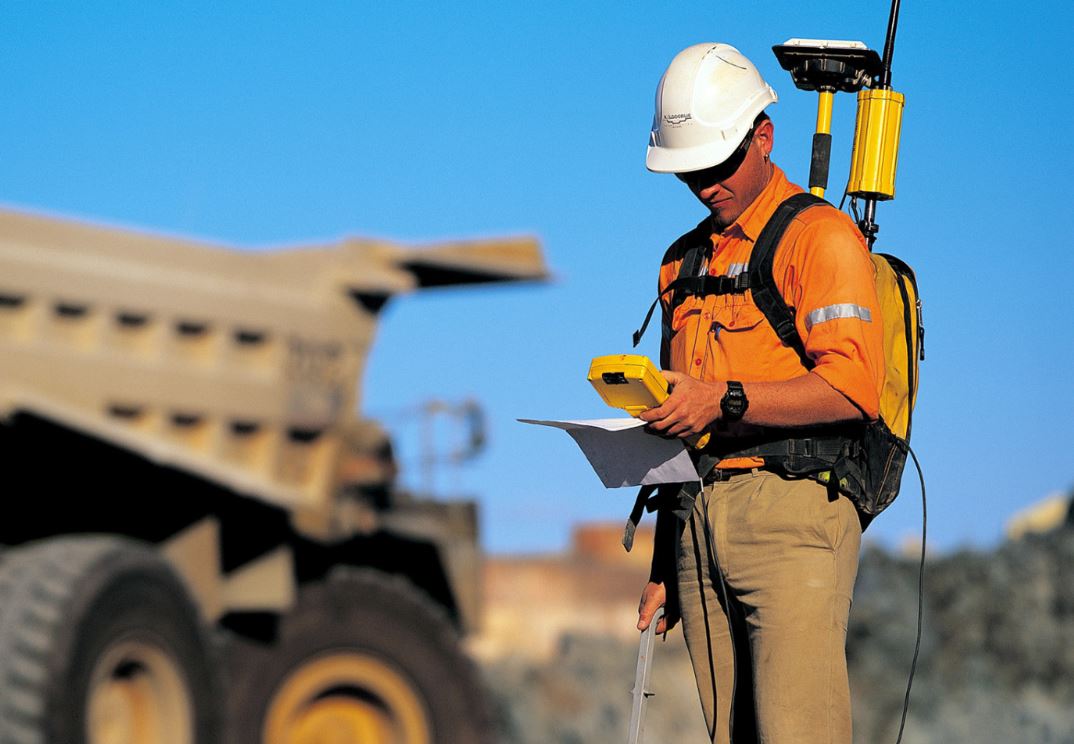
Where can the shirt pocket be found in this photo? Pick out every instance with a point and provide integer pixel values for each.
(739, 341)
(688, 329)
(687, 312)
(736, 317)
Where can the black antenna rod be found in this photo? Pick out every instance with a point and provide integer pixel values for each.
(889, 46)
(867, 224)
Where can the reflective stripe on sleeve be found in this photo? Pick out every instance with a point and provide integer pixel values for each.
(842, 310)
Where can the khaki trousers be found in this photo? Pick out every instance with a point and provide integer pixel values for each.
(769, 655)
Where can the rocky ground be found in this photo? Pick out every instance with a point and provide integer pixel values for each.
(996, 665)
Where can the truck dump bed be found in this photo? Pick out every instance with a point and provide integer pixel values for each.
(243, 367)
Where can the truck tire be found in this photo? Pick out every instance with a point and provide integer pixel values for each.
(99, 644)
(364, 658)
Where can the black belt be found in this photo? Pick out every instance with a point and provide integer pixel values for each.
(719, 475)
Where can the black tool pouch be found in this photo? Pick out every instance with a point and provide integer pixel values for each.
(870, 472)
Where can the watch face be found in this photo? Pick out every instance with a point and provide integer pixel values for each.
(734, 401)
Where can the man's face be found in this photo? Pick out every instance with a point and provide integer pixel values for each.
(728, 188)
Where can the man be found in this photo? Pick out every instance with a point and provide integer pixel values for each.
(764, 566)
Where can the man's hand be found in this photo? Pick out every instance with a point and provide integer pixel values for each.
(690, 408)
(653, 596)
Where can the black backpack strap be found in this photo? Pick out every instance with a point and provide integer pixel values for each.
(666, 332)
(818, 445)
(689, 284)
(644, 494)
(762, 282)
(674, 498)
(689, 268)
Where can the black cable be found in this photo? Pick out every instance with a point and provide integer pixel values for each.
(920, 596)
(844, 199)
(714, 562)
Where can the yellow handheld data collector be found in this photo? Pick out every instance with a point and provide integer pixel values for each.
(628, 381)
(632, 382)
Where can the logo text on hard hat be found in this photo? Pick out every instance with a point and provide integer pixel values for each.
(674, 120)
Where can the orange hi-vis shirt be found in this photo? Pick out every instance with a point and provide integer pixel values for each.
(822, 269)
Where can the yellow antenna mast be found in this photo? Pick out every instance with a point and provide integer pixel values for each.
(850, 67)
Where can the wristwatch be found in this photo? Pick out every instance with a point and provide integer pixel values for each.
(734, 402)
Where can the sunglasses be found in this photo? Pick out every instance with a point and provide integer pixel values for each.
(721, 171)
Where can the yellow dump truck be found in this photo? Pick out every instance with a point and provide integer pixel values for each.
(201, 540)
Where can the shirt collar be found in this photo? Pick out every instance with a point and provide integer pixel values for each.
(756, 215)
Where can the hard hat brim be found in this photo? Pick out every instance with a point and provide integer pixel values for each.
(686, 159)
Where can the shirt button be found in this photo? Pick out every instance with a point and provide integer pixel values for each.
(697, 362)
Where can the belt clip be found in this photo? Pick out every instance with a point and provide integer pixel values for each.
(718, 475)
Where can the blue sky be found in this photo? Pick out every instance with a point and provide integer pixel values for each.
(260, 124)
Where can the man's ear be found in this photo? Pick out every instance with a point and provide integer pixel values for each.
(764, 133)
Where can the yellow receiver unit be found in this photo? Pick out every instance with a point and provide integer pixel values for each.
(876, 144)
(632, 382)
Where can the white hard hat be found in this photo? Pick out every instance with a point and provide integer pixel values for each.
(705, 105)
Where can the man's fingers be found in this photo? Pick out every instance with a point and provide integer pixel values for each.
(646, 609)
(678, 429)
(652, 597)
(683, 429)
(663, 415)
(660, 412)
(672, 427)
(673, 377)
(645, 614)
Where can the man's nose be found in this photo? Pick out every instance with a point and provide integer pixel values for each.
(709, 191)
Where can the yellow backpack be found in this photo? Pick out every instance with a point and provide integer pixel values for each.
(868, 468)
(872, 478)
(904, 340)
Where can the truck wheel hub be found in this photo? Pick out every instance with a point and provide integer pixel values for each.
(345, 698)
(137, 696)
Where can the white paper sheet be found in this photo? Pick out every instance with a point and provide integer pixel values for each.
(623, 453)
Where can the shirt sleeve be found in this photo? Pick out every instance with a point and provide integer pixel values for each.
(836, 309)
